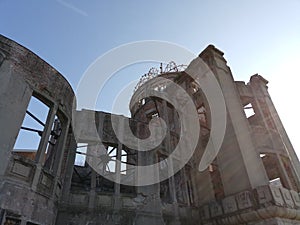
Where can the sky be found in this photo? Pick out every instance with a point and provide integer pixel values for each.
(256, 36)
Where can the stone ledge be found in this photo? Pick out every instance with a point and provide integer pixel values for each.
(259, 204)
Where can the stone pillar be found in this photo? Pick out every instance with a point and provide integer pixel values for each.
(168, 146)
(15, 96)
(118, 176)
(203, 187)
(283, 172)
(40, 155)
(71, 147)
(92, 193)
(149, 210)
(61, 148)
(117, 186)
(185, 187)
(239, 163)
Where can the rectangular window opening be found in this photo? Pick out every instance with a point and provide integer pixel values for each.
(276, 182)
(29, 136)
(81, 154)
(111, 164)
(248, 109)
(155, 115)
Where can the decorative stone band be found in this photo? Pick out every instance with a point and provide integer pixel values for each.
(260, 204)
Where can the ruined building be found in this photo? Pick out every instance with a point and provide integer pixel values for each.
(254, 178)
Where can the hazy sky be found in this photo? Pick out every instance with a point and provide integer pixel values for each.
(256, 36)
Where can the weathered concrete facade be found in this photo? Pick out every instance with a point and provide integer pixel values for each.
(253, 180)
(30, 189)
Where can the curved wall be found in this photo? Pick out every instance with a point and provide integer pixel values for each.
(34, 182)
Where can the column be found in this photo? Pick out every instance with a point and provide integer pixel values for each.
(40, 155)
(71, 147)
(168, 145)
(149, 210)
(92, 193)
(15, 96)
(60, 151)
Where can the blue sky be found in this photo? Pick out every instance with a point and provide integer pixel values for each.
(256, 36)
